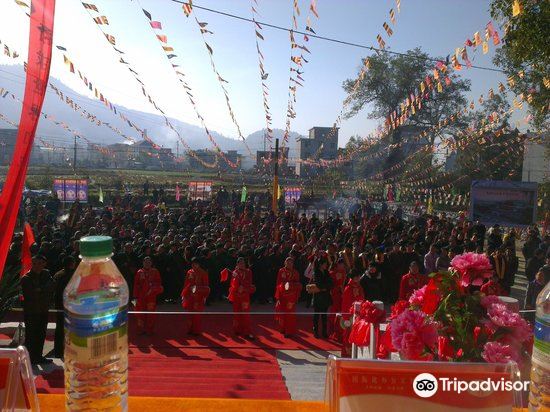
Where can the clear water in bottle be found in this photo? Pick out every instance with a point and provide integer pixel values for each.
(539, 396)
(96, 331)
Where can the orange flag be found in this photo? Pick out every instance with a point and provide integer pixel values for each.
(26, 255)
(224, 275)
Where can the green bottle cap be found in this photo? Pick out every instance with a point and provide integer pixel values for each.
(95, 246)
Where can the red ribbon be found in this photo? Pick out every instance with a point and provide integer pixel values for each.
(38, 71)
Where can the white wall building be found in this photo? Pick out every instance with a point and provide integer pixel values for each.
(536, 163)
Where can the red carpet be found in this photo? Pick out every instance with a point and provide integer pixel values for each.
(170, 331)
(208, 373)
(216, 364)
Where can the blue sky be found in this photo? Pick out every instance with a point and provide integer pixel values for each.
(438, 26)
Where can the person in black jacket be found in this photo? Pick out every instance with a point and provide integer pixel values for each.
(321, 297)
(38, 289)
(534, 264)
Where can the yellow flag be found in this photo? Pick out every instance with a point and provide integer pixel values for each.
(279, 191)
(439, 87)
(516, 8)
(485, 47)
(430, 208)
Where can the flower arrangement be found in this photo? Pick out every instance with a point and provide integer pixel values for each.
(360, 330)
(450, 320)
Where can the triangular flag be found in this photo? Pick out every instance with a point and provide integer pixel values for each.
(147, 14)
(100, 195)
(516, 8)
(26, 255)
(224, 275)
(243, 194)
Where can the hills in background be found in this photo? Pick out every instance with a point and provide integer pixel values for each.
(12, 79)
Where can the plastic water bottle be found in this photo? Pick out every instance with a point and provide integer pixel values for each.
(96, 331)
(539, 396)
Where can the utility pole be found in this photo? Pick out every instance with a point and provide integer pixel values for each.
(74, 157)
(274, 202)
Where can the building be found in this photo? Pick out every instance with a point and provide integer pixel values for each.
(264, 159)
(322, 144)
(451, 162)
(123, 156)
(144, 155)
(536, 163)
(8, 138)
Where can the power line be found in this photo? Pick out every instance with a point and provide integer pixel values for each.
(329, 39)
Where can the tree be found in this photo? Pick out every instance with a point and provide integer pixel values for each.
(526, 50)
(495, 153)
(388, 82)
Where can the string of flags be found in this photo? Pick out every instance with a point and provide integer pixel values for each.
(77, 108)
(447, 121)
(471, 136)
(258, 29)
(103, 150)
(95, 120)
(433, 84)
(222, 82)
(170, 54)
(123, 60)
(365, 67)
(297, 61)
(509, 147)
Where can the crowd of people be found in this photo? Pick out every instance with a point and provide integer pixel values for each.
(202, 252)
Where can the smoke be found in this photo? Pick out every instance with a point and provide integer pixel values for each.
(63, 218)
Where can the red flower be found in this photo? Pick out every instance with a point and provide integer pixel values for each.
(432, 297)
(371, 314)
(398, 308)
(445, 351)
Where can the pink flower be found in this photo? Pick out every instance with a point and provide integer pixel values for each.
(413, 333)
(473, 268)
(496, 352)
(417, 297)
(502, 317)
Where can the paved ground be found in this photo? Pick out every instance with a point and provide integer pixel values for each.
(304, 373)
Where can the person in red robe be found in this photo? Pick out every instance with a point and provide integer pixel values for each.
(147, 286)
(338, 275)
(353, 292)
(240, 289)
(287, 293)
(411, 281)
(194, 294)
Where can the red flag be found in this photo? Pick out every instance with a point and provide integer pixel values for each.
(26, 255)
(38, 70)
(224, 275)
(156, 25)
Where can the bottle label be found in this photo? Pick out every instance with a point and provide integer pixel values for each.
(541, 347)
(94, 338)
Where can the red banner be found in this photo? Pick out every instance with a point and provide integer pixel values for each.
(38, 71)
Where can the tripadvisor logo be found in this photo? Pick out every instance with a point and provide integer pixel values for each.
(425, 385)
